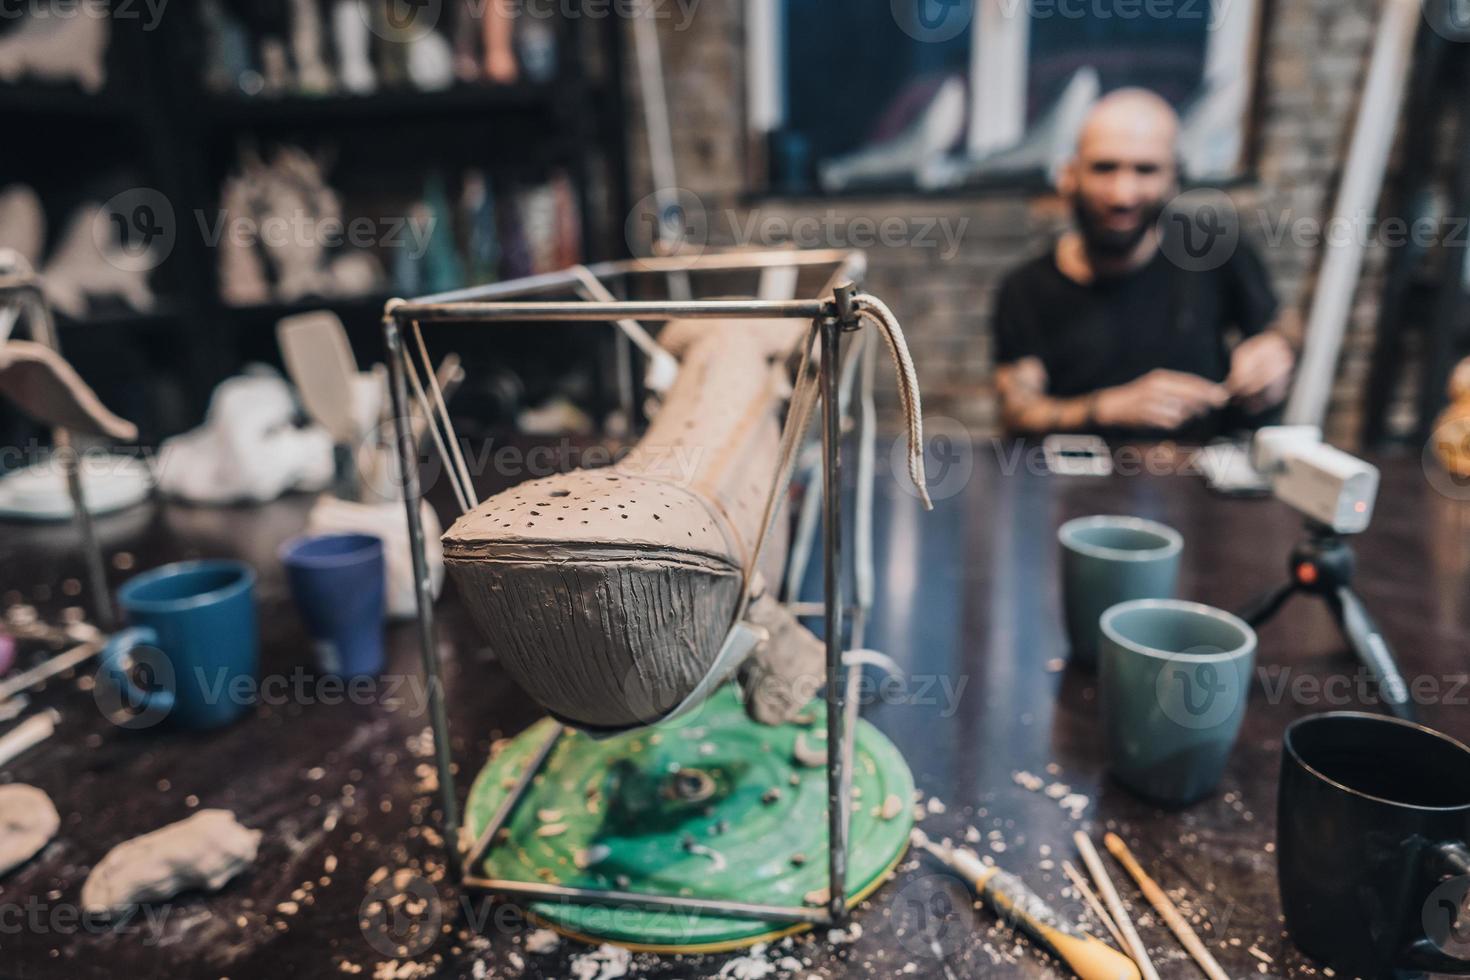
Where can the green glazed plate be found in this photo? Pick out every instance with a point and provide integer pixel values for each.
(711, 806)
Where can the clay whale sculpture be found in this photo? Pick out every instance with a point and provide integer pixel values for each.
(608, 593)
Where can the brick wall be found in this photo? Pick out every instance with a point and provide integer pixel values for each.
(1314, 57)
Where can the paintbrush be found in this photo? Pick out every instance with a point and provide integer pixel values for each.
(1171, 915)
(1086, 955)
(1115, 904)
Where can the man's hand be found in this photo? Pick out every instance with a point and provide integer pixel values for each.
(1260, 371)
(1159, 400)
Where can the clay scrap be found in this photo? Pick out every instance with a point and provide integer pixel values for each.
(204, 851)
(28, 821)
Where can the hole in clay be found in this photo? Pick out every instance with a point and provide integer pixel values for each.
(561, 493)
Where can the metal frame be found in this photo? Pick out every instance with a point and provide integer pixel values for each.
(504, 302)
(21, 287)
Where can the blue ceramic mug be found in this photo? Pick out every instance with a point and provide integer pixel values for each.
(1174, 680)
(338, 581)
(1107, 560)
(193, 639)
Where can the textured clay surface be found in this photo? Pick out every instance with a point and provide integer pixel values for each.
(607, 593)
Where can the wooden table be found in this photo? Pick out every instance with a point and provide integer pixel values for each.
(999, 737)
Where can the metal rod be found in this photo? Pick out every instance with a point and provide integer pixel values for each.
(43, 328)
(424, 589)
(508, 805)
(660, 144)
(831, 331)
(595, 896)
(584, 311)
(850, 266)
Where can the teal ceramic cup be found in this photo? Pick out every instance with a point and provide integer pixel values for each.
(1174, 679)
(1107, 560)
(190, 653)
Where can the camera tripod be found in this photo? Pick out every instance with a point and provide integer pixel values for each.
(1322, 565)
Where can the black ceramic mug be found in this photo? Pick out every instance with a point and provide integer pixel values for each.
(1373, 819)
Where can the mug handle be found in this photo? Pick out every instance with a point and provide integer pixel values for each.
(117, 660)
(1446, 861)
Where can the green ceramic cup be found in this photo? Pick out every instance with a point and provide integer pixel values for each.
(1174, 680)
(1107, 560)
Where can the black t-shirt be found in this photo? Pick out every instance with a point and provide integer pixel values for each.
(1113, 330)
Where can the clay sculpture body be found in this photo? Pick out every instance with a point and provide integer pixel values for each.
(204, 851)
(608, 593)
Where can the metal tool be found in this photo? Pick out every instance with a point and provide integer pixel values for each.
(1085, 955)
(1136, 949)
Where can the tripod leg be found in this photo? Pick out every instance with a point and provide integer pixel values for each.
(1264, 607)
(1368, 643)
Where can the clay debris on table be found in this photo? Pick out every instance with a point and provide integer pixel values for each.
(204, 851)
(28, 821)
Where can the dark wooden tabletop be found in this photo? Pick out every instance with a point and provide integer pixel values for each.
(1004, 744)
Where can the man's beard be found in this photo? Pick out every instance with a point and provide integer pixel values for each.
(1106, 242)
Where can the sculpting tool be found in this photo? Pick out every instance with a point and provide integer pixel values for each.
(1093, 902)
(58, 664)
(1115, 904)
(27, 734)
(1166, 909)
(1086, 955)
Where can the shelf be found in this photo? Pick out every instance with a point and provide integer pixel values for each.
(161, 316)
(64, 101)
(388, 104)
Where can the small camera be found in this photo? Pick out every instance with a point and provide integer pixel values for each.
(1327, 485)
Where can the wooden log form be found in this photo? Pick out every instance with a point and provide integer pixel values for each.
(607, 593)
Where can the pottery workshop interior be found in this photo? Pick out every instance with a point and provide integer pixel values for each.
(734, 489)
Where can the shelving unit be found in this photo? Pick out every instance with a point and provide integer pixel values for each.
(156, 126)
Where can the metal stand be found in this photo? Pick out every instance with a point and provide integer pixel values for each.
(489, 304)
(22, 287)
(1322, 565)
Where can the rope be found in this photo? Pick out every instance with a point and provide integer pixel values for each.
(799, 414)
(877, 312)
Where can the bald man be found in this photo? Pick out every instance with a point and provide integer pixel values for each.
(1104, 333)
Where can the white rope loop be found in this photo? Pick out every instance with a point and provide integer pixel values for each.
(875, 310)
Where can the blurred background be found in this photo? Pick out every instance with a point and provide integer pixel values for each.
(424, 146)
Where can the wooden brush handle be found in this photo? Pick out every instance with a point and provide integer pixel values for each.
(1162, 905)
(1085, 955)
